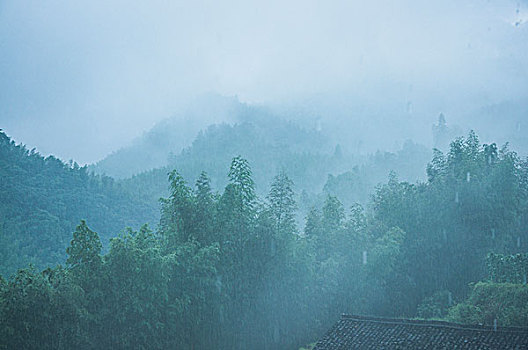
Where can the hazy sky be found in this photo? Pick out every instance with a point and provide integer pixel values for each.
(82, 78)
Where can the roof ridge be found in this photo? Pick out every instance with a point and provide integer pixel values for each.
(432, 323)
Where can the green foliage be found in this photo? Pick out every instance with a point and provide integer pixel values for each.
(282, 203)
(136, 295)
(240, 177)
(41, 311)
(229, 271)
(177, 212)
(507, 268)
(473, 203)
(312, 226)
(272, 144)
(435, 306)
(84, 248)
(43, 199)
(333, 214)
(505, 302)
(205, 211)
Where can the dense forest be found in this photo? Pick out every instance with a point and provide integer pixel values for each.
(235, 269)
(271, 144)
(263, 175)
(43, 199)
(50, 197)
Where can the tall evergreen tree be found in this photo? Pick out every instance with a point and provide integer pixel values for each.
(333, 215)
(85, 247)
(282, 203)
(312, 227)
(177, 222)
(205, 211)
(240, 177)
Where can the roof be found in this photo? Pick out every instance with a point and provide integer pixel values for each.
(361, 332)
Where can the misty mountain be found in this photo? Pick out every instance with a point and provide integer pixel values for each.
(152, 149)
(357, 184)
(505, 122)
(242, 173)
(272, 144)
(60, 195)
(215, 128)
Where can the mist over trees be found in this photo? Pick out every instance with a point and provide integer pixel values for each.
(383, 70)
(236, 175)
(234, 270)
(48, 196)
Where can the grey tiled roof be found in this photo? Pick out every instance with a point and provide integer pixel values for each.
(361, 332)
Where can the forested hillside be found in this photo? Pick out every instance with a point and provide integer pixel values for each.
(236, 175)
(272, 144)
(269, 142)
(49, 196)
(43, 199)
(233, 270)
(474, 202)
(214, 129)
(152, 149)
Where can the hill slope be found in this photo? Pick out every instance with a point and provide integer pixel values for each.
(152, 149)
(43, 199)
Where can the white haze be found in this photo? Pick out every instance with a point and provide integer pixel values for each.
(80, 79)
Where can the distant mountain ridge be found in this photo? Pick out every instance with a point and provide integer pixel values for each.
(269, 142)
(152, 149)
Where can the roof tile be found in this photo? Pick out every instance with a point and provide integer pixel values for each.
(362, 332)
